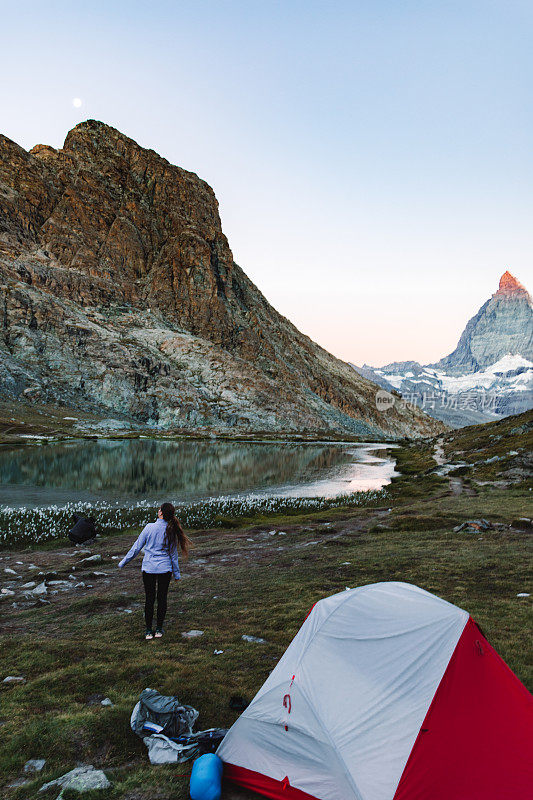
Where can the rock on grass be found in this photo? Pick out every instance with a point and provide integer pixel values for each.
(91, 559)
(192, 634)
(82, 779)
(34, 765)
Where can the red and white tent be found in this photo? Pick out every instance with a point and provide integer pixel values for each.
(386, 693)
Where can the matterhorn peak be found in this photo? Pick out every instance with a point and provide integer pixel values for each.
(510, 286)
(492, 364)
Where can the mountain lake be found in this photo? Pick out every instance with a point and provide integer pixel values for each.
(122, 481)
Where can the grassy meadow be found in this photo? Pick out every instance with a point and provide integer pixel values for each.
(240, 580)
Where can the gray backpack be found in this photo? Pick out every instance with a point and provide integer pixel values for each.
(174, 718)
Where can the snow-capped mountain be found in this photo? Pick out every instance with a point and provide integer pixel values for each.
(489, 375)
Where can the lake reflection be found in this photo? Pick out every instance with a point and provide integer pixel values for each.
(133, 469)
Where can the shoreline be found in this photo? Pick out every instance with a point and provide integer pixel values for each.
(24, 425)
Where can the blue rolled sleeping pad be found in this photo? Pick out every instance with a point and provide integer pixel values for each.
(206, 778)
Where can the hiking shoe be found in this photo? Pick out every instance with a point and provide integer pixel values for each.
(149, 634)
(158, 633)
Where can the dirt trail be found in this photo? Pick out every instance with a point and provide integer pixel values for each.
(438, 452)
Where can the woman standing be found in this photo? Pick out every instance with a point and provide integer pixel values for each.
(160, 541)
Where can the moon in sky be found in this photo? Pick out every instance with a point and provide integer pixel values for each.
(77, 102)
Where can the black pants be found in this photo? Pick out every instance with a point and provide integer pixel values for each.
(150, 580)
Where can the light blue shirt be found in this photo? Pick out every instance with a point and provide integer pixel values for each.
(156, 556)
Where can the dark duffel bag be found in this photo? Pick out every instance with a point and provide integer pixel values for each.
(83, 530)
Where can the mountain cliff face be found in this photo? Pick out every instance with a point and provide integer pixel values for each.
(120, 295)
(489, 374)
(502, 326)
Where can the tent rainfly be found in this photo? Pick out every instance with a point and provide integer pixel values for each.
(386, 693)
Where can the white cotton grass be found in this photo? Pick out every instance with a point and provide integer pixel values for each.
(33, 525)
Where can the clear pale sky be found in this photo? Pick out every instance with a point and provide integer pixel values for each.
(372, 159)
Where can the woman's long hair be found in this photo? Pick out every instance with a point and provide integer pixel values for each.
(174, 533)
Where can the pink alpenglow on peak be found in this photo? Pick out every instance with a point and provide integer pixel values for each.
(510, 286)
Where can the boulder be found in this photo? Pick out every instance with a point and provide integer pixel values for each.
(81, 779)
(473, 526)
(192, 634)
(91, 559)
(34, 765)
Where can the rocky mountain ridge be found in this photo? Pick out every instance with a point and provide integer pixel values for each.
(120, 296)
(488, 376)
(502, 326)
